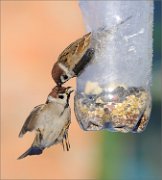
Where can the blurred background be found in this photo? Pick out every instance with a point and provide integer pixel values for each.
(33, 33)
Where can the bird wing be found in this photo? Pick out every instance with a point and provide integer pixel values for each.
(29, 124)
(74, 51)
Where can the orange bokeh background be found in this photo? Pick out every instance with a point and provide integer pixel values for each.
(33, 33)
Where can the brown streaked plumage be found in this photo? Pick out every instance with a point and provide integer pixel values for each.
(63, 69)
(73, 53)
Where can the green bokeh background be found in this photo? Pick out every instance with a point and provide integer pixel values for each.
(137, 156)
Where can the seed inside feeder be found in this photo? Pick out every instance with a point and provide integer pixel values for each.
(122, 109)
(113, 92)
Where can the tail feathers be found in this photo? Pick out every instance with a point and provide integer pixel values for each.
(31, 151)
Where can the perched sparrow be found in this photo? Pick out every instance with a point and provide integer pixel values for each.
(50, 121)
(76, 52)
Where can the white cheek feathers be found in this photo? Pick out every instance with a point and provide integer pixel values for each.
(51, 99)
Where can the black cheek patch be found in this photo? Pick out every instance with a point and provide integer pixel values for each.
(61, 96)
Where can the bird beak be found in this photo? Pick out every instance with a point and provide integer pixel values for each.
(69, 90)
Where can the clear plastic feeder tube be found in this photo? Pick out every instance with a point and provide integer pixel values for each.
(113, 92)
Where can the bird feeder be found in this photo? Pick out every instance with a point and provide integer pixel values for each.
(113, 92)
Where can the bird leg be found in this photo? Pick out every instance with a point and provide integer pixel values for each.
(63, 145)
(67, 142)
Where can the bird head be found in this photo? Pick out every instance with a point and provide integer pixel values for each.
(60, 75)
(60, 94)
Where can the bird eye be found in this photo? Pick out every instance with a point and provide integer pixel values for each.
(61, 96)
(65, 77)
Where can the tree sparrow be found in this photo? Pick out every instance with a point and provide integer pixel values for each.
(76, 53)
(50, 121)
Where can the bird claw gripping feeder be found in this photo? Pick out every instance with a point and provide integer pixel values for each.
(113, 92)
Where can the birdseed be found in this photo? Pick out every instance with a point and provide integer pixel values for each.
(121, 109)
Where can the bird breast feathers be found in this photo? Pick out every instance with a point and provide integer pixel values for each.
(50, 116)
